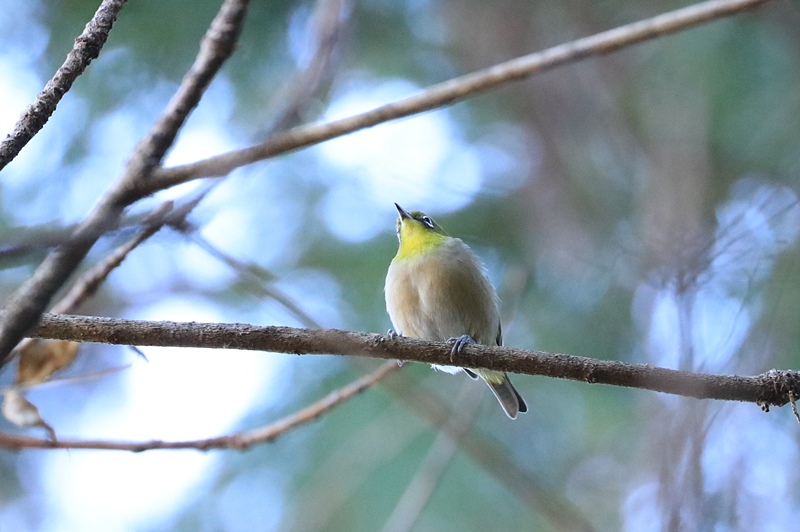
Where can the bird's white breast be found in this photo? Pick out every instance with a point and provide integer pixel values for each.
(442, 294)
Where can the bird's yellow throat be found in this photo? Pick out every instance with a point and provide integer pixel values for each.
(416, 239)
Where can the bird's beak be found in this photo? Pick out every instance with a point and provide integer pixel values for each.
(403, 214)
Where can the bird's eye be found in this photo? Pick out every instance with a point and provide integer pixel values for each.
(427, 221)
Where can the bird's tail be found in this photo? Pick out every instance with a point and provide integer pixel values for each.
(508, 396)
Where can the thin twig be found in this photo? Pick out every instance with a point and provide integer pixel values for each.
(26, 305)
(259, 284)
(454, 90)
(18, 241)
(86, 48)
(77, 379)
(239, 441)
(766, 390)
(85, 286)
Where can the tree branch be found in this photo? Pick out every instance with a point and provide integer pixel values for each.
(86, 48)
(238, 441)
(454, 90)
(774, 388)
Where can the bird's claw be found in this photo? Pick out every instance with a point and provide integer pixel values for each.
(459, 344)
(390, 336)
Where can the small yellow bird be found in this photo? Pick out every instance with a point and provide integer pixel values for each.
(436, 289)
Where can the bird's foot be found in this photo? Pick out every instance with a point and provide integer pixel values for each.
(390, 336)
(459, 344)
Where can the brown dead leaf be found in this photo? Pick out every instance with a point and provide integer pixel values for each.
(41, 358)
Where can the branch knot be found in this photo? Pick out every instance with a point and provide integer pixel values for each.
(785, 388)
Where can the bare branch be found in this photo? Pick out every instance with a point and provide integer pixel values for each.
(86, 48)
(24, 307)
(769, 389)
(240, 441)
(455, 90)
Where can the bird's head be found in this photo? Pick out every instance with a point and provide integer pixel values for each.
(417, 233)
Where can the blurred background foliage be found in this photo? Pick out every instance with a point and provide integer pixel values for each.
(640, 207)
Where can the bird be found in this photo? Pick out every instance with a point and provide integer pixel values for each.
(437, 289)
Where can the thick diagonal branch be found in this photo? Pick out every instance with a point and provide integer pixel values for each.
(86, 49)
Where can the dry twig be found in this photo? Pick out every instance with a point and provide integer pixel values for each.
(240, 441)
